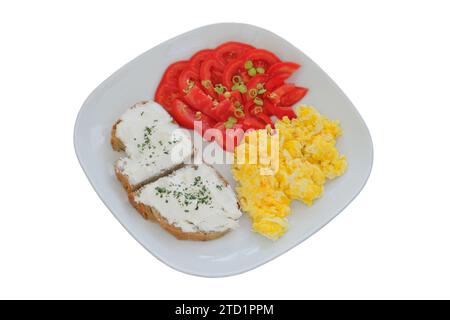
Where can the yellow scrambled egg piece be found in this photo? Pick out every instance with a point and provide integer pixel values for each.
(292, 162)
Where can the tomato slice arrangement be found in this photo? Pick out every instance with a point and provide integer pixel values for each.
(232, 87)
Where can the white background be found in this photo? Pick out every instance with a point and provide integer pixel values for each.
(392, 58)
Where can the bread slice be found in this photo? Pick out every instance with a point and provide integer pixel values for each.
(149, 137)
(192, 203)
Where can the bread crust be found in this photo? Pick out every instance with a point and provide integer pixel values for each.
(151, 213)
(116, 143)
(130, 187)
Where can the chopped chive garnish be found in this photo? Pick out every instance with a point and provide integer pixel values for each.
(248, 64)
(260, 70)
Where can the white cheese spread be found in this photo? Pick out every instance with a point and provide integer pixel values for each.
(193, 198)
(151, 138)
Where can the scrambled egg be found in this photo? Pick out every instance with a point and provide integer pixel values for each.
(292, 162)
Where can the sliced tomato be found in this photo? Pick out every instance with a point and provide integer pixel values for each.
(253, 83)
(187, 76)
(173, 72)
(183, 114)
(277, 111)
(265, 118)
(198, 100)
(197, 59)
(222, 111)
(236, 96)
(251, 122)
(248, 106)
(231, 137)
(234, 68)
(293, 96)
(276, 81)
(283, 67)
(261, 58)
(230, 51)
(275, 96)
(186, 117)
(211, 71)
(166, 94)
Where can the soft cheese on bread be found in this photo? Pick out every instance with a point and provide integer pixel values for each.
(149, 137)
(193, 203)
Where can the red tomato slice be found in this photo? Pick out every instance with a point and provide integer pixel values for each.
(277, 111)
(197, 59)
(231, 137)
(230, 51)
(166, 94)
(261, 58)
(276, 81)
(251, 122)
(293, 96)
(186, 117)
(283, 67)
(234, 68)
(223, 111)
(187, 76)
(173, 72)
(248, 106)
(236, 96)
(275, 96)
(265, 118)
(182, 114)
(211, 70)
(252, 84)
(199, 100)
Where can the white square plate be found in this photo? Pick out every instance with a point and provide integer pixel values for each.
(240, 250)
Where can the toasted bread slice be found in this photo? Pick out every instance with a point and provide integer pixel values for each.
(149, 137)
(192, 203)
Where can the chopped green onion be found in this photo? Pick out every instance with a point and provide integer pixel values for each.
(206, 83)
(259, 86)
(248, 64)
(242, 88)
(257, 109)
(261, 91)
(190, 85)
(239, 113)
(253, 93)
(237, 104)
(272, 95)
(236, 79)
(227, 94)
(260, 70)
(230, 122)
(252, 72)
(258, 101)
(219, 88)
